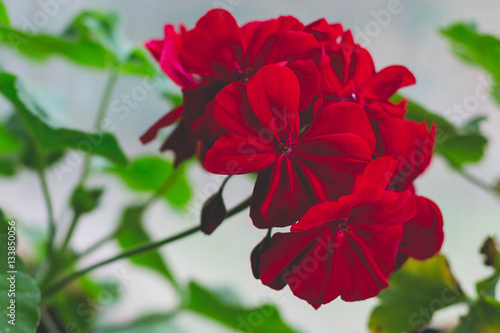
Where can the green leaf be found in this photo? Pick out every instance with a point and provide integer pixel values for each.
(474, 48)
(150, 174)
(460, 149)
(473, 125)
(85, 296)
(492, 258)
(10, 149)
(85, 200)
(262, 319)
(4, 16)
(483, 317)
(458, 145)
(26, 293)
(130, 233)
(91, 40)
(8, 143)
(415, 292)
(51, 139)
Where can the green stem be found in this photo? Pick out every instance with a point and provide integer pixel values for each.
(478, 182)
(48, 203)
(103, 107)
(156, 195)
(101, 112)
(132, 252)
(135, 251)
(70, 231)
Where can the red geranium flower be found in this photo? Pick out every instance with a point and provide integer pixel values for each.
(298, 167)
(411, 145)
(342, 248)
(348, 74)
(217, 52)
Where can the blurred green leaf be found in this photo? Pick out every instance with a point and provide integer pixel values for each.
(460, 149)
(473, 125)
(28, 155)
(474, 48)
(492, 258)
(483, 317)
(151, 173)
(263, 319)
(458, 145)
(131, 233)
(7, 168)
(10, 149)
(92, 39)
(85, 200)
(26, 293)
(4, 16)
(51, 139)
(77, 306)
(8, 142)
(415, 292)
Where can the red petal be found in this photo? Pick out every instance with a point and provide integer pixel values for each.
(195, 101)
(385, 83)
(282, 251)
(206, 127)
(342, 118)
(369, 260)
(274, 94)
(410, 144)
(362, 65)
(234, 155)
(234, 113)
(282, 195)
(323, 213)
(390, 208)
(169, 58)
(155, 46)
(259, 37)
(377, 174)
(308, 76)
(183, 146)
(330, 156)
(214, 47)
(423, 235)
(167, 120)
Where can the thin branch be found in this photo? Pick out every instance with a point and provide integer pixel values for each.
(478, 182)
(135, 251)
(49, 207)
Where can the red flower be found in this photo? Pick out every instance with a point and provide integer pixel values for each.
(349, 75)
(341, 248)
(217, 52)
(411, 145)
(297, 167)
(328, 35)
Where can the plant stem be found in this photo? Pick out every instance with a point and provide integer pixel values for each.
(101, 112)
(48, 203)
(478, 182)
(72, 227)
(103, 107)
(155, 196)
(135, 251)
(132, 252)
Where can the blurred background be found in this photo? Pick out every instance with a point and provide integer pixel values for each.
(409, 38)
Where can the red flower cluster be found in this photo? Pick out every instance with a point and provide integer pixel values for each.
(304, 107)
